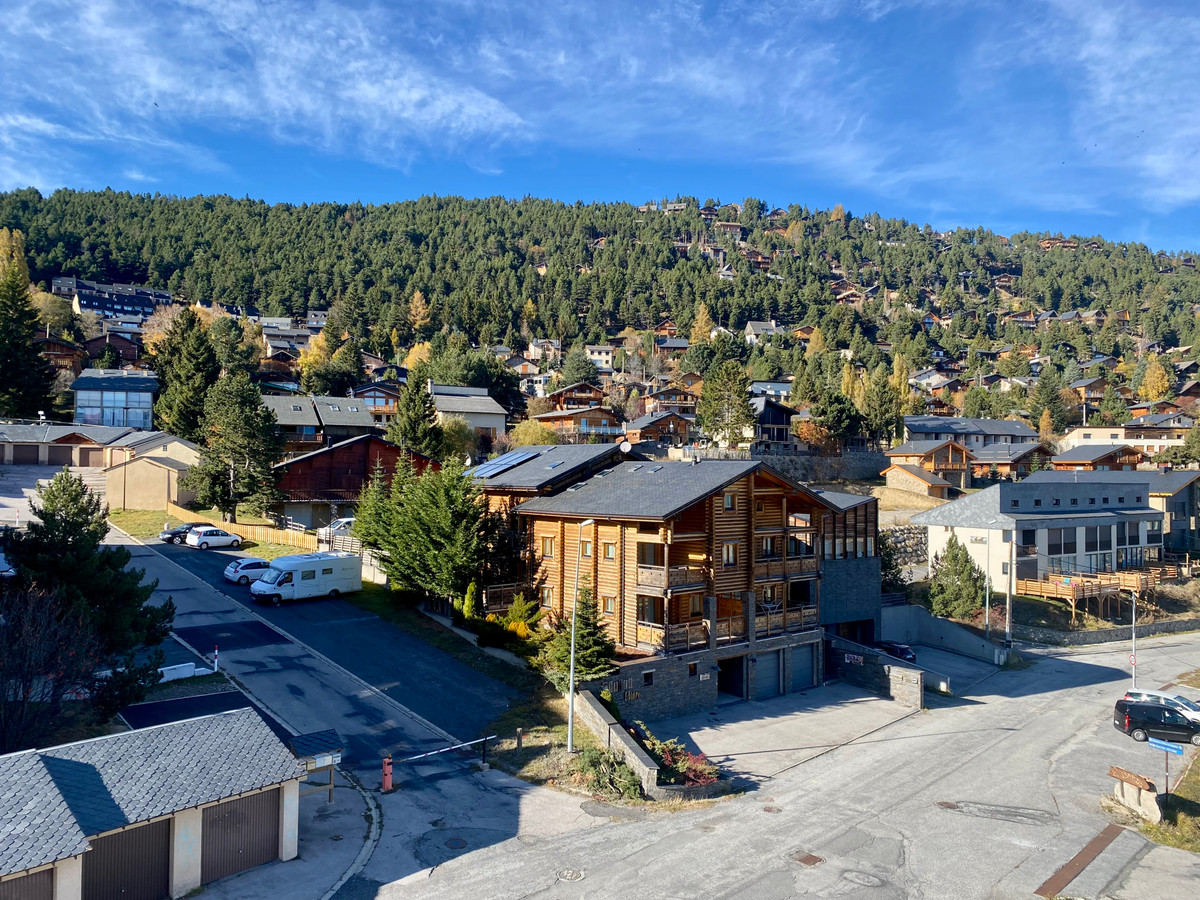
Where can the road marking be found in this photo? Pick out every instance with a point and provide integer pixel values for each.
(369, 688)
(1055, 883)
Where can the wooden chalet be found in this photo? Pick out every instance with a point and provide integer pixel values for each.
(62, 355)
(662, 428)
(1099, 458)
(692, 382)
(947, 459)
(580, 395)
(666, 328)
(1012, 461)
(540, 470)
(671, 399)
(380, 397)
(594, 423)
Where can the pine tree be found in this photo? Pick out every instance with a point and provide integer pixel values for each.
(419, 314)
(109, 358)
(881, 406)
(1113, 408)
(957, 585)
(577, 368)
(415, 426)
(25, 378)
(594, 649)
(190, 372)
(241, 445)
(837, 415)
(724, 407)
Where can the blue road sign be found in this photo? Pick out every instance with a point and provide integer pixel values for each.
(1166, 745)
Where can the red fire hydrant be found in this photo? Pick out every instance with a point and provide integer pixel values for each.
(387, 774)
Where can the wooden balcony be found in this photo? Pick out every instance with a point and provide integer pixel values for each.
(799, 618)
(778, 569)
(659, 578)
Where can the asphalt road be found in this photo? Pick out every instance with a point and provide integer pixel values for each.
(437, 687)
(983, 796)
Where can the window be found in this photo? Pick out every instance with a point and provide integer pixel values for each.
(1091, 539)
(770, 548)
(335, 408)
(547, 597)
(696, 606)
(1004, 568)
(1074, 501)
(1154, 532)
(1055, 502)
(1037, 502)
(308, 575)
(548, 548)
(650, 554)
(608, 605)
(1137, 499)
(1105, 501)
(730, 502)
(729, 554)
(610, 551)
(691, 670)
(327, 571)
(1091, 501)
(1015, 504)
(1060, 541)
(1120, 499)
(352, 408)
(1028, 537)
(585, 549)
(758, 506)
(648, 678)
(295, 407)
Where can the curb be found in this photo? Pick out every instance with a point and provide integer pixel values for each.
(404, 710)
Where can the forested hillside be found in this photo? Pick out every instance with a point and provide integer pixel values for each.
(497, 269)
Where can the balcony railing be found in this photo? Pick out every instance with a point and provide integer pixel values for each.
(768, 569)
(785, 620)
(687, 636)
(677, 576)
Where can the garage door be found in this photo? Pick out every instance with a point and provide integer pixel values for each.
(240, 834)
(129, 865)
(39, 886)
(802, 667)
(25, 454)
(60, 455)
(766, 677)
(91, 456)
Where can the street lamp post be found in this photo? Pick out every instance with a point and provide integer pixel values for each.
(574, 615)
(1133, 648)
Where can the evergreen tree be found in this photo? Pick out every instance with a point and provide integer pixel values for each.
(242, 443)
(234, 345)
(1047, 396)
(836, 414)
(109, 358)
(577, 368)
(724, 406)
(881, 406)
(956, 584)
(976, 403)
(594, 649)
(891, 573)
(191, 370)
(415, 426)
(1112, 408)
(25, 378)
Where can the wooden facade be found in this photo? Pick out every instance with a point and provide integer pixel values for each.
(576, 396)
(949, 460)
(1122, 458)
(745, 556)
(594, 423)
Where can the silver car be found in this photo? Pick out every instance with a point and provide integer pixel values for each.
(244, 571)
(1189, 708)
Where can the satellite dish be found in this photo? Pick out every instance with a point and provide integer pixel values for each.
(626, 446)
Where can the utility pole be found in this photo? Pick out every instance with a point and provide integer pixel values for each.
(1012, 575)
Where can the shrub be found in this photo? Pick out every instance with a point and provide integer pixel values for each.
(607, 701)
(676, 764)
(607, 774)
(524, 611)
(472, 607)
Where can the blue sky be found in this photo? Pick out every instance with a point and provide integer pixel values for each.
(1065, 115)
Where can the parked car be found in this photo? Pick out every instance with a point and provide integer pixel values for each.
(1189, 708)
(336, 528)
(212, 537)
(244, 571)
(308, 575)
(179, 533)
(6, 569)
(1153, 720)
(898, 650)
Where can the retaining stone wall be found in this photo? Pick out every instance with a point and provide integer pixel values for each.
(911, 542)
(591, 712)
(1100, 636)
(904, 685)
(850, 466)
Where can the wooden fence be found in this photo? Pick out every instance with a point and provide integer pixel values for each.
(260, 534)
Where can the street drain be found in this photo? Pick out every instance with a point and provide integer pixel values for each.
(772, 809)
(456, 844)
(570, 875)
(807, 860)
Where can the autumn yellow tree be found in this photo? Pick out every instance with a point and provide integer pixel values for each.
(1155, 383)
(702, 326)
(312, 358)
(417, 355)
(418, 313)
(816, 345)
(1046, 428)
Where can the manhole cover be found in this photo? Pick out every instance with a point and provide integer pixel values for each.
(807, 860)
(772, 809)
(570, 875)
(456, 844)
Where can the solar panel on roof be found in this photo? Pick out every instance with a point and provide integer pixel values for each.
(503, 463)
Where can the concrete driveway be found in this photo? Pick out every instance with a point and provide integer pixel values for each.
(963, 671)
(758, 740)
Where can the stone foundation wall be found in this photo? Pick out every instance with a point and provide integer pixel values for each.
(1102, 635)
(904, 685)
(911, 542)
(850, 466)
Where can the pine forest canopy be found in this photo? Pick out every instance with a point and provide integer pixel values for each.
(495, 268)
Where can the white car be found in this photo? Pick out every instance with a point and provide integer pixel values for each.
(212, 537)
(336, 528)
(1189, 708)
(244, 571)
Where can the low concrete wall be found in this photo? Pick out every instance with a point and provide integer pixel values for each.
(915, 624)
(1144, 803)
(591, 712)
(1101, 635)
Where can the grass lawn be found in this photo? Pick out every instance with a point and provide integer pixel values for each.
(1180, 826)
(543, 757)
(147, 523)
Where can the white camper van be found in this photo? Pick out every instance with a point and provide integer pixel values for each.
(309, 575)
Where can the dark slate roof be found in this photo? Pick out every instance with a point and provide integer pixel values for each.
(115, 380)
(1090, 452)
(542, 465)
(917, 448)
(1161, 483)
(843, 501)
(45, 434)
(1004, 453)
(51, 800)
(991, 508)
(1158, 420)
(650, 418)
(920, 474)
(344, 411)
(649, 490)
(286, 413)
(960, 425)
(467, 404)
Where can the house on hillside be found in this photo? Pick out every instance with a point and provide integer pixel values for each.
(1012, 462)
(672, 399)
(593, 424)
(297, 422)
(380, 399)
(115, 397)
(947, 459)
(61, 354)
(710, 568)
(54, 444)
(969, 433)
(664, 427)
(761, 331)
(127, 349)
(772, 428)
(482, 412)
(579, 395)
(1099, 458)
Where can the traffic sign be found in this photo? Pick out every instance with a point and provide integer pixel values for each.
(1156, 744)
(1133, 659)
